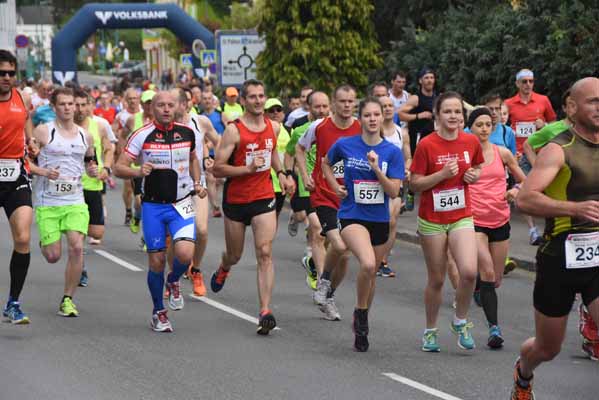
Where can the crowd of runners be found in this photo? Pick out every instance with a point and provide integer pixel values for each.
(348, 168)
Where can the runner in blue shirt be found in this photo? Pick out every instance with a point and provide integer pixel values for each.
(373, 169)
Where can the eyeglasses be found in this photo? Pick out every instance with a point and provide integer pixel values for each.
(275, 109)
(525, 81)
(10, 73)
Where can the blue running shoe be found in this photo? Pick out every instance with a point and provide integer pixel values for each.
(13, 314)
(495, 340)
(429, 341)
(465, 340)
(385, 271)
(84, 280)
(218, 279)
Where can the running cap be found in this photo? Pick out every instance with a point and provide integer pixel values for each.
(272, 102)
(524, 73)
(231, 91)
(424, 71)
(147, 95)
(477, 112)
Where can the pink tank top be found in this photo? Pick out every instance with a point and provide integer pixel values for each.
(489, 207)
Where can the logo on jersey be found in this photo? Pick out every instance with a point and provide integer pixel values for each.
(64, 76)
(252, 146)
(177, 136)
(268, 143)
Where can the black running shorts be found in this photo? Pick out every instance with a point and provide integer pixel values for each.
(93, 199)
(15, 194)
(246, 212)
(378, 231)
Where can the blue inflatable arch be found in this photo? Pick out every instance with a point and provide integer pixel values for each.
(95, 16)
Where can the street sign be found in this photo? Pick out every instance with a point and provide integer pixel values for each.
(22, 55)
(21, 41)
(185, 60)
(236, 55)
(207, 57)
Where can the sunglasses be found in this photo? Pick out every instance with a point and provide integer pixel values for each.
(525, 81)
(10, 73)
(275, 109)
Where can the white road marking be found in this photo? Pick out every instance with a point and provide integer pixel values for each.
(420, 386)
(227, 309)
(117, 260)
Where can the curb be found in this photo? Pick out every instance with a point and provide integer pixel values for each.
(523, 263)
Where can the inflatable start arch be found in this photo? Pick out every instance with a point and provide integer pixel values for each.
(95, 16)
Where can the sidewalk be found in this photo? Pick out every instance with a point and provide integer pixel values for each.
(520, 250)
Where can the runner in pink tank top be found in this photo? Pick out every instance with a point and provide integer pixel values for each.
(491, 214)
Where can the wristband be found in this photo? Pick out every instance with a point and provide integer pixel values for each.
(281, 172)
(108, 170)
(289, 172)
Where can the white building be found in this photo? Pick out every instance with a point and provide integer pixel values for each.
(8, 25)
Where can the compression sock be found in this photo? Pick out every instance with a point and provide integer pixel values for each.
(488, 297)
(477, 287)
(178, 270)
(19, 265)
(156, 285)
(326, 275)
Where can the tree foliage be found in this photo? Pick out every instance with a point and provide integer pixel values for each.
(477, 50)
(323, 43)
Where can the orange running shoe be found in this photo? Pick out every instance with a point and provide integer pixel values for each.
(197, 280)
(519, 392)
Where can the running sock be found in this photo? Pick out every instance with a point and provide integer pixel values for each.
(178, 270)
(326, 275)
(195, 270)
(458, 321)
(522, 381)
(477, 287)
(156, 285)
(311, 263)
(331, 293)
(19, 265)
(488, 297)
(66, 297)
(128, 212)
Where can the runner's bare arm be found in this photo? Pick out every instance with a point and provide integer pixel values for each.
(509, 160)
(420, 183)
(229, 141)
(209, 131)
(533, 201)
(407, 150)
(404, 110)
(122, 167)
(390, 185)
(529, 152)
(108, 153)
(287, 182)
(327, 171)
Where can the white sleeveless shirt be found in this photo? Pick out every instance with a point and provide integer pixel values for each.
(396, 137)
(66, 155)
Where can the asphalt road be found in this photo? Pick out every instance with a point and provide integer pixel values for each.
(109, 352)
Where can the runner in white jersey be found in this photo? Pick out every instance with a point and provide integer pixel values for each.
(65, 152)
(399, 137)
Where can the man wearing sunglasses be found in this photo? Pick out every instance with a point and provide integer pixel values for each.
(529, 112)
(15, 187)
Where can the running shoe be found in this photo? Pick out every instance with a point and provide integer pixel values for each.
(322, 289)
(128, 217)
(197, 280)
(175, 300)
(311, 274)
(329, 309)
(495, 340)
(266, 323)
(216, 213)
(166, 293)
(68, 308)
(84, 280)
(292, 225)
(160, 322)
(429, 341)
(591, 349)
(94, 242)
(385, 271)
(534, 238)
(134, 225)
(218, 279)
(510, 265)
(476, 297)
(410, 202)
(13, 314)
(465, 340)
(587, 327)
(360, 329)
(522, 389)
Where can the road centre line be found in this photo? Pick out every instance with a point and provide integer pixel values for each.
(420, 386)
(205, 300)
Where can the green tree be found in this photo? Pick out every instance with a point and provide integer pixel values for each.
(323, 43)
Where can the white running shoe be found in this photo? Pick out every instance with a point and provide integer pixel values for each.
(175, 300)
(329, 308)
(160, 322)
(322, 289)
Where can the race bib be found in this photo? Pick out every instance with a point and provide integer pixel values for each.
(9, 170)
(338, 170)
(266, 154)
(449, 200)
(525, 129)
(368, 192)
(185, 207)
(63, 187)
(582, 250)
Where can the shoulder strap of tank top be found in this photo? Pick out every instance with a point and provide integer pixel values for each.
(51, 131)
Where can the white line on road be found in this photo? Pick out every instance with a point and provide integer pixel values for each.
(117, 260)
(227, 309)
(420, 386)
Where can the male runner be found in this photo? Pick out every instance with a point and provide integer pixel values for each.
(299, 116)
(66, 153)
(324, 133)
(563, 186)
(245, 155)
(171, 173)
(15, 188)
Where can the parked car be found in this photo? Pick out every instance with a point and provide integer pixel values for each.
(131, 69)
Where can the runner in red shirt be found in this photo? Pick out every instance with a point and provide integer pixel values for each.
(444, 165)
(105, 110)
(245, 155)
(324, 133)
